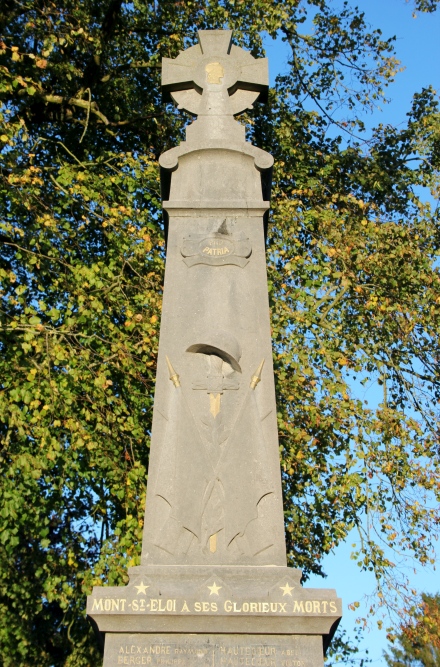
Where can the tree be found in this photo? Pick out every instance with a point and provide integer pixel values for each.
(354, 288)
(418, 642)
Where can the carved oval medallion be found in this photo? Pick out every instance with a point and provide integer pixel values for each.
(214, 73)
(216, 247)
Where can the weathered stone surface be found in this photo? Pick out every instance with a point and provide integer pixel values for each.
(214, 490)
(213, 557)
(212, 650)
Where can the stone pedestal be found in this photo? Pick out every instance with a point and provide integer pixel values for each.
(210, 650)
(231, 616)
(213, 587)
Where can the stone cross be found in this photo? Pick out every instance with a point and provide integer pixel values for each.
(213, 551)
(215, 78)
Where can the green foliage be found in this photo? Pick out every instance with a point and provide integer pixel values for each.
(426, 5)
(354, 287)
(418, 642)
(355, 294)
(345, 649)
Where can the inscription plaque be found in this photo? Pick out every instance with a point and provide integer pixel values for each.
(216, 249)
(222, 599)
(209, 650)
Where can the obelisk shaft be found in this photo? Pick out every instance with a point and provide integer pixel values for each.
(238, 446)
(214, 488)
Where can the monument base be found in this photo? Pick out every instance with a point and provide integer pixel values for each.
(224, 616)
(208, 650)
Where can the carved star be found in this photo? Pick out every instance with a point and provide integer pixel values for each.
(287, 590)
(214, 589)
(142, 588)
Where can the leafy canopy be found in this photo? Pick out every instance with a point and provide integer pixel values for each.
(353, 278)
(418, 642)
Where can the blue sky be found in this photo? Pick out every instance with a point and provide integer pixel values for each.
(418, 48)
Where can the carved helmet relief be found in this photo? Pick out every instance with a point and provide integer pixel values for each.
(220, 343)
(222, 353)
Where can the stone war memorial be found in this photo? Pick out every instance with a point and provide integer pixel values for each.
(213, 588)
